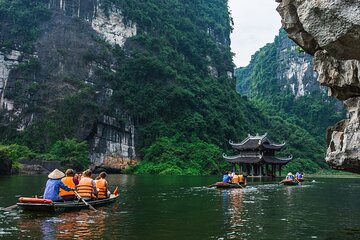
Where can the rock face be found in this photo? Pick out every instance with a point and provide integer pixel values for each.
(330, 29)
(293, 70)
(65, 64)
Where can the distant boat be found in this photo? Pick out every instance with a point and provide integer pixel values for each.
(289, 182)
(40, 204)
(228, 185)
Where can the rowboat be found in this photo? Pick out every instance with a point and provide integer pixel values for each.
(300, 179)
(289, 182)
(40, 204)
(228, 185)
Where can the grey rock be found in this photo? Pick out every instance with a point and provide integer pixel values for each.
(330, 29)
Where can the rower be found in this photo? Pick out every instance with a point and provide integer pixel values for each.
(227, 177)
(53, 186)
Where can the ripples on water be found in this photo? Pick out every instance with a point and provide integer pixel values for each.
(179, 208)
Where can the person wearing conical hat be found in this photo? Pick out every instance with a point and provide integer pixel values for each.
(289, 176)
(53, 186)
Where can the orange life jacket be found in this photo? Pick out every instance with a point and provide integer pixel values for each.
(68, 181)
(85, 187)
(102, 189)
(235, 179)
(241, 179)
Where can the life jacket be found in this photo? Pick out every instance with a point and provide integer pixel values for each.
(101, 186)
(241, 179)
(85, 187)
(235, 179)
(68, 181)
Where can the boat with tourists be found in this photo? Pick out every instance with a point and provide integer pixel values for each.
(45, 205)
(228, 185)
(289, 182)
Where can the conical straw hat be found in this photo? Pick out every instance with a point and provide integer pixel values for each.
(56, 174)
(289, 174)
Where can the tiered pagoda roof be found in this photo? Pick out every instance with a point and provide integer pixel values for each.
(257, 149)
(256, 142)
(241, 158)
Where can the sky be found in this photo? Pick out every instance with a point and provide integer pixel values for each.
(256, 22)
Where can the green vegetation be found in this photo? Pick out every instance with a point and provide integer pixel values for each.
(303, 120)
(71, 153)
(171, 78)
(180, 157)
(19, 22)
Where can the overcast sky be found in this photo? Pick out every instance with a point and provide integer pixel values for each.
(256, 23)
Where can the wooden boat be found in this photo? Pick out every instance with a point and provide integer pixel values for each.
(300, 179)
(228, 185)
(289, 182)
(40, 204)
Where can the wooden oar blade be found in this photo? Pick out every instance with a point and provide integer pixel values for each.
(86, 203)
(9, 208)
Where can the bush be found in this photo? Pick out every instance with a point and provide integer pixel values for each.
(175, 156)
(71, 153)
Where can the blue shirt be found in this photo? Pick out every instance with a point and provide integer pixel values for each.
(52, 189)
(226, 178)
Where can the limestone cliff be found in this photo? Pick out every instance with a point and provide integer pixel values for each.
(61, 81)
(330, 30)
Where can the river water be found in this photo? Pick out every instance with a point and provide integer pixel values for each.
(182, 207)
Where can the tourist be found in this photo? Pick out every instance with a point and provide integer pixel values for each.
(297, 175)
(235, 179)
(70, 181)
(102, 186)
(242, 179)
(53, 186)
(300, 176)
(227, 177)
(87, 186)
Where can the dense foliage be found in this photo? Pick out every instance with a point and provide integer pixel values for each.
(172, 78)
(69, 152)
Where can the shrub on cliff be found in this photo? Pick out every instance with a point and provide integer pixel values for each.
(71, 153)
(175, 156)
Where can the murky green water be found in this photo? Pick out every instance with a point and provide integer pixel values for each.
(164, 207)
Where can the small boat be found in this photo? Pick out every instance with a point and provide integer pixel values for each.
(300, 179)
(40, 204)
(289, 182)
(228, 185)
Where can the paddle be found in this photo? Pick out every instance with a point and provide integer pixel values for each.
(9, 208)
(91, 207)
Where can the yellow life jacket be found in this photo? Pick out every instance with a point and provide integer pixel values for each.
(68, 181)
(102, 189)
(241, 179)
(85, 187)
(235, 179)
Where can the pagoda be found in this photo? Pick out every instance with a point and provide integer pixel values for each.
(257, 156)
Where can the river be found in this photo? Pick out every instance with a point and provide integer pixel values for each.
(182, 207)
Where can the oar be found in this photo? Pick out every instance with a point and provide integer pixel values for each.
(91, 207)
(9, 208)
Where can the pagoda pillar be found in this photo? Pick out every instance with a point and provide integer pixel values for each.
(252, 170)
(279, 170)
(260, 172)
(233, 167)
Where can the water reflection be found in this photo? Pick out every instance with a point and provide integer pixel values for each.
(81, 225)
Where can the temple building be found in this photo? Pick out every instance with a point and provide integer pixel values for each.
(257, 156)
